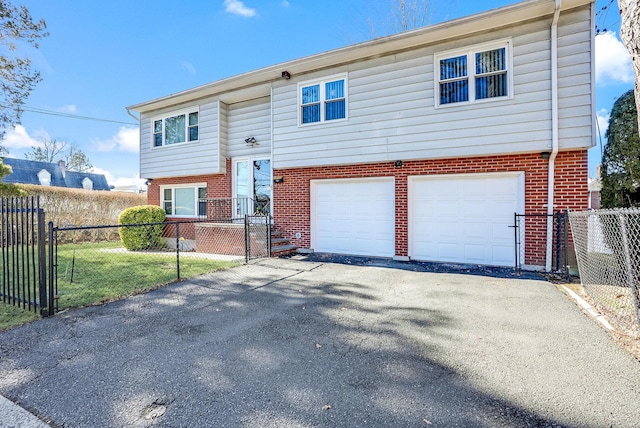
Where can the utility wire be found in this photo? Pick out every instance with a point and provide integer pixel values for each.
(70, 115)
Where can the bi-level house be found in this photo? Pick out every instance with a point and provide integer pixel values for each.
(420, 145)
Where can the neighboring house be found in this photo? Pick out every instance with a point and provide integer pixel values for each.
(420, 145)
(52, 174)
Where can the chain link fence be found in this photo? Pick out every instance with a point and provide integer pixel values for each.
(98, 263)
(607, 246)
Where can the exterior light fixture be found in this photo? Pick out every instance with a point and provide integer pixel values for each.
(398, 164)
(286, 75)
(251, 141)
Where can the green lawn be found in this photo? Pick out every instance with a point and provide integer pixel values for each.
(95, 273)
(10, 316)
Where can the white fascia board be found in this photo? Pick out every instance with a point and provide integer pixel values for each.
(259, 81)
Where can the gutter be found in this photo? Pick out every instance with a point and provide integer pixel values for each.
(554, 133)
(137, 119)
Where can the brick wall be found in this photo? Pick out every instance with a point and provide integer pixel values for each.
(292, 197)
(218, 185)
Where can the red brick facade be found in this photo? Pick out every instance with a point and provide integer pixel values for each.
(292, 205)
(292, 197)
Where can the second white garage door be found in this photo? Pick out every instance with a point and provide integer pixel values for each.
(464, 218)
(353, 216)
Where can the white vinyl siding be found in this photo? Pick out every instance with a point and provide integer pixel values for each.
(249, 119)
(392, 113)
(184, 159)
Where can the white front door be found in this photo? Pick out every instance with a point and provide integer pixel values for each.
(252, 186)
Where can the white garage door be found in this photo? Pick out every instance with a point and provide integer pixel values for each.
(353, 216)
(464, 218)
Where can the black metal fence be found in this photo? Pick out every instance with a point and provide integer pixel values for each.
(98, 263)
(530, 232)
(25, 280)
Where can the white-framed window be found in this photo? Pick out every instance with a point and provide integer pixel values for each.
(87, 184)
(184, 200)
(44, 177)
(177, 128)
(323, 100)
(479, 73)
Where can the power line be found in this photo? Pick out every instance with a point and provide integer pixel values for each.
(601, 19)
(70, 115)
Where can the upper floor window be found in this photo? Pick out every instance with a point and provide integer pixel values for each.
(175, 129)
(475, 74)
(322, 101)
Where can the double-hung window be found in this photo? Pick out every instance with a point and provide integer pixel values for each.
(475, 74)
(184, 200)
(323, 101)
(175, 129)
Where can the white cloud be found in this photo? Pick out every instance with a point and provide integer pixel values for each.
(285, 3)
(132, 181)
(189, 67)
(238, 8)
(613, 62)
(602, 117)
(69, 108)
(126, 140)
(19, 138)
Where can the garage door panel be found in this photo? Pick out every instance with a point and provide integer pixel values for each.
(354, 216)
(464, 218)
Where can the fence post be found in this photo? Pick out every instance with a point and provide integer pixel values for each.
(629, 266)
(247, 244)
(515, 240)
(268, 217)
(178, 250)
(42, 264)
(566, 246)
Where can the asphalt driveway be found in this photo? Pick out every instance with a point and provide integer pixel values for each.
(287, 343)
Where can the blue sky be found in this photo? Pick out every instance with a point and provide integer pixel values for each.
(103, 56)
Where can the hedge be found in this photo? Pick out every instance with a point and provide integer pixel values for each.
(141, 237)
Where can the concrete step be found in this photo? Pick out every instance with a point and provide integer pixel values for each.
(282, 250)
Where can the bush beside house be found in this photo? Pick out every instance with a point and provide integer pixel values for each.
(141, 237)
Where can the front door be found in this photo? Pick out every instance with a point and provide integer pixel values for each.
(252, 186)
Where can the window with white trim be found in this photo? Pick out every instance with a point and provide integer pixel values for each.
(475, 74)
(175, 129)
(184, 200)
(323, 100)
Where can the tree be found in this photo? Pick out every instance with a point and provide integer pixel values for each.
(53, 150)
(621, 160)
(17, 78)
(630, 34)
(388, 17)
(8, 189)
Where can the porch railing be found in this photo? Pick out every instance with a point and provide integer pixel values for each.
(232, 208)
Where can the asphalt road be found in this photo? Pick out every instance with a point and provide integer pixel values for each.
(286, 343)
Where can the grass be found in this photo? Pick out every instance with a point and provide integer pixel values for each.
(11, 316)
(95, 273)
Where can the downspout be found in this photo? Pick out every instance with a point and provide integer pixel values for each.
(554, 133)
(130, 114)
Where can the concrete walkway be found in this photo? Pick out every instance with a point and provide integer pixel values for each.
(286, 343)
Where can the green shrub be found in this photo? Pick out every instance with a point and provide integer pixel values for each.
(136, 238)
